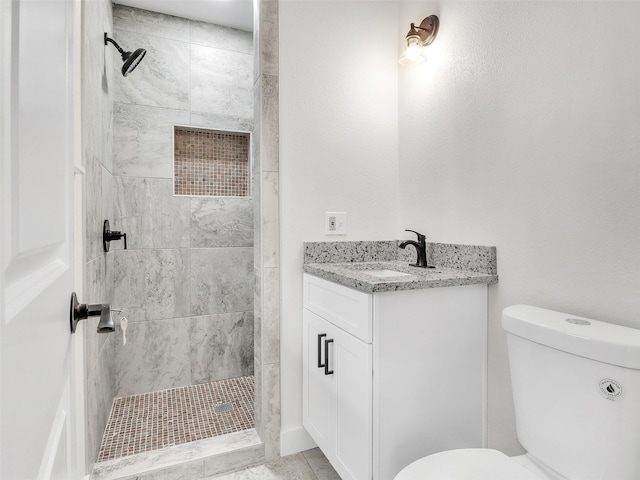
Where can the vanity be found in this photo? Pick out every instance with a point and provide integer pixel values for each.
(394, 357)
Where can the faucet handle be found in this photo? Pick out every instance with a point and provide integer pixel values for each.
(421, 237)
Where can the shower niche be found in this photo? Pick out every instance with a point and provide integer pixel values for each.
(211, 162)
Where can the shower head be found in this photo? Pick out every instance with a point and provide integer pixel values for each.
(131, 60)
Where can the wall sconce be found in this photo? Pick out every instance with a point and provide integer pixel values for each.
(419, 37)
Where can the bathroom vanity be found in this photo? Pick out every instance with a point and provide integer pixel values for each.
(394, 363)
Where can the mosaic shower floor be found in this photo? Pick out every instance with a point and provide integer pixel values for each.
(151, 421)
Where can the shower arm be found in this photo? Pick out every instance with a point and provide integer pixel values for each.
(107, 40)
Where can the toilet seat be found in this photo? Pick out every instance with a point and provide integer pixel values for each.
(466, 464)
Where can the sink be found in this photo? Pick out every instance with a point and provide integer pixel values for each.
(385, 273)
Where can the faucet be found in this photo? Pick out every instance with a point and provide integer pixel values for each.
(421, 249)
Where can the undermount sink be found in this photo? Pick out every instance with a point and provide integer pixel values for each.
(385, 273)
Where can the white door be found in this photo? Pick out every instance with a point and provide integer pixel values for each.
(38, 69)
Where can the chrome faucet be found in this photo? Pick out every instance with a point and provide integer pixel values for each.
(421, 249)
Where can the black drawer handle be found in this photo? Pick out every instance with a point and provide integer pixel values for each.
(326, 357)
(320, 337)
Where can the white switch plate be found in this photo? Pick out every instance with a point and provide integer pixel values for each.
(335, 223)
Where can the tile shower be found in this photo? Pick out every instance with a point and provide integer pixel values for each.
(186, 279)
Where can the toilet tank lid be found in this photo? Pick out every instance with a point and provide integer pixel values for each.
(601, 341)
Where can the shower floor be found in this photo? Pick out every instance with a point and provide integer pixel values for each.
(151, 421)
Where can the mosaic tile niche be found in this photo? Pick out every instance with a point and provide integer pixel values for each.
(211, 162)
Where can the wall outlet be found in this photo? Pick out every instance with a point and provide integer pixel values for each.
(335, 223)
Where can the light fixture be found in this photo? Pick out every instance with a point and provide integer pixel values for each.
(131, 60)
(419, 37)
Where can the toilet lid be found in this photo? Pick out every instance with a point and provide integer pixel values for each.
(466, 464)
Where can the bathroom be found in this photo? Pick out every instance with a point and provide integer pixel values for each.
(520, 131)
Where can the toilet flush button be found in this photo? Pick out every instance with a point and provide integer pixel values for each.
(610, 389)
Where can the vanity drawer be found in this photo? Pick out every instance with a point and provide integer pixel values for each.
(346, 308)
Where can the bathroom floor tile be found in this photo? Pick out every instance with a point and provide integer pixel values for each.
(150, 421)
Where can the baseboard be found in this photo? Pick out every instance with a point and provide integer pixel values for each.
(294, 440)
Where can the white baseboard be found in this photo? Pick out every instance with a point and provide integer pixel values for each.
(294, 440)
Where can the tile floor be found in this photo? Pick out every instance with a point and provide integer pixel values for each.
(309, 465)
(151, 421)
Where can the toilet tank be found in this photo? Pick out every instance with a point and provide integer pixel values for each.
(576, 390)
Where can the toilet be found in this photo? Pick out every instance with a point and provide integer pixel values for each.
(576, 391)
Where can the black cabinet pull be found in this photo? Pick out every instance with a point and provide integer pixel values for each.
(320, 337)
(326, 357)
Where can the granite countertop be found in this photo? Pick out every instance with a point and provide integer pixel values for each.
(355, 275)
(347, 263)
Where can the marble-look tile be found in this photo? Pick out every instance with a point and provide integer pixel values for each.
(234, 460)
(98, 399)
(221, 280)
(143, 140)
(257, 314)
(221, 346)
(152, 284)
(221, 82)
(182, 471)
(92, 207)
(140, 21)
(148, 462)
(258, 413)
(218, 36)
(269, 125)
(222, 122)
(150, 214)
(270, 399)
(162, 77)
(270, 233)
(257, 221)
(267, 38)
(155, 357)
(320, 465)
(257, 127)
(270, 322)
(108, 194)
(293, 467)
(221, 222)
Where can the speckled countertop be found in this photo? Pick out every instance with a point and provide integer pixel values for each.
(349, 262)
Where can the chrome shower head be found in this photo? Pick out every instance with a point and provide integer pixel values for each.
(131, 60)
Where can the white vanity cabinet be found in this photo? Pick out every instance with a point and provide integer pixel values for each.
(393, 376)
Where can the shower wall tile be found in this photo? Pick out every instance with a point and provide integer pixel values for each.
(143, 140)
(92, 207)
(161, 79)
(221, 346)
(218, 36)
(269, 127)
(221, 222)
(155, 357)
(221, 280)
(221, 122)
(257, 315)
(150, 215)
(270, 400)
(152, 284)
(270, 321)
(270, 228)
(266, 39)
(221, 81)
(135, 20)
(99, 395)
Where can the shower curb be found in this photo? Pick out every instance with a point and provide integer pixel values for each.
(196, 460)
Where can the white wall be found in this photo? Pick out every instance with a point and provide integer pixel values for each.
(338, 145)
(523, 131)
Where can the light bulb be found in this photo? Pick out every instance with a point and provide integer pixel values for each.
(413, 53)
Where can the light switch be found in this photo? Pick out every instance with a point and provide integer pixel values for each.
(335, 223)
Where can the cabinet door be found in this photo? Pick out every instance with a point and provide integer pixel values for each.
(350, 360)
(318, 396)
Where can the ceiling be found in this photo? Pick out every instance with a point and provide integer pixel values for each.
(230, 13)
